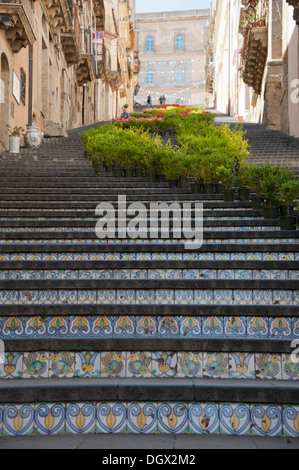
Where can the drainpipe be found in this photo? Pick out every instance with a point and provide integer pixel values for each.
(30, 102)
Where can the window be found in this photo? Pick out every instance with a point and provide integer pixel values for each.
(149, 77)
(180, 75)
(180, 42)
(150, 43)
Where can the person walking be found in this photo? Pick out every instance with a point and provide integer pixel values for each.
(149, 101)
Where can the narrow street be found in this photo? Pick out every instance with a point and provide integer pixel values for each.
(79, 314)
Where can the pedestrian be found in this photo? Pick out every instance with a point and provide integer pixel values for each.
(125, 114)
(149, 100)
(161, 100)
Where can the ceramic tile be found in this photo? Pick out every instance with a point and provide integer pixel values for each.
(139, 274)
(164, 297)
(190, 327)
(13, 327)
(146, 326)
(138, 364)
(261, 275)
(124, 326)
(204, 418)
(62, 364)
(79, 326)
(18, 420)
(282, 297)
(29, 297)
(36, 365)
(290, 369)
(235, 419)
(11, 365)
(87, 364)
(212, 327)
(87, 297)
(241, 366)
(215, 365)
(243, 274)
(49, 419)
(102, 326)
(223, 297)
(226, 274)
(290, 416)
(266, 420)
(190, 364)
(279, 274)
(169, 326)
(164, 364)
(106, 297)
(80, 418)
(202, 274)
(111, 418)
(145, 297)
(173, 418)
(68, 297)
(235, 327)
(184, 297)
(262, 297)
(268, 366)
(257, 327)
(243, 297)
(203, 297)
(35, 326)
(113, 364)
(58, 326)
(295, 327)
(127, 297)
(142, 418)
(280, 327)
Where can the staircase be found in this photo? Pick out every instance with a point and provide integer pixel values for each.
(139, 336)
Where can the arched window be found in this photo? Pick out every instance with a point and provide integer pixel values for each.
(180, 42)
(150, 43)
(149, 77)
(180, 75)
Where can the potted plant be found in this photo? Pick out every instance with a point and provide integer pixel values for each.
(273, 179)
(242, 182)
(14, 138)
(225, 176)
(289, 191)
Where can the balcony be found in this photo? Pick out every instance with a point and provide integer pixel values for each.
(71, 41)
(210, 76)
(86, 69)
(59, 15)
(257, 51)
(295, 4)
(99, 11)
(19, 31)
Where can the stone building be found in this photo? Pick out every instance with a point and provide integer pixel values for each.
(63, 63)
(253, 62)
(172, 48)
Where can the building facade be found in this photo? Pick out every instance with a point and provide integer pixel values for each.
(172, 49)
(64, 63)
(253, 61)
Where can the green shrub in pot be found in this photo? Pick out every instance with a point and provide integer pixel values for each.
(289, 191)
(274, 177)
(225, 175)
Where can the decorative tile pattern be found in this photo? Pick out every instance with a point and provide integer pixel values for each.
(234, 419)
(173, 418)
(266, 420)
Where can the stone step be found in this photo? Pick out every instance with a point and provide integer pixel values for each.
(208, 252)
(131, 390)
(117, 310)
